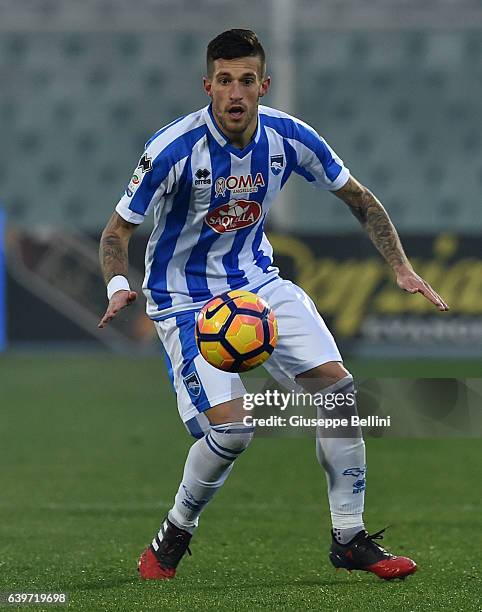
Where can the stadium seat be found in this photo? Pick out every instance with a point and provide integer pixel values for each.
(399, 106)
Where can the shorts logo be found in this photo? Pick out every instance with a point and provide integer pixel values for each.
(238, 184)
(276, 163)
(193, 384)
(359, 474)
(233, 215)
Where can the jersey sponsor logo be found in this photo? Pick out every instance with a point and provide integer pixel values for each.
(276, 163)
(202, 175)
(193, 384)
(238, 184)
(233, 216)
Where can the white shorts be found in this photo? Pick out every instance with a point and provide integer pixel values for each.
(304, 342)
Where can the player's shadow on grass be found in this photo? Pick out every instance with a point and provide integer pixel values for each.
(350, 582)
(99, 585)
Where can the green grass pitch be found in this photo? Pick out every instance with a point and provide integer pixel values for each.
(92, 451)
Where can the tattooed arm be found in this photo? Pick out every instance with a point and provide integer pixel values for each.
(113, 255)
(374, 218)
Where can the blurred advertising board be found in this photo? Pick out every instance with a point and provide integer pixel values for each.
(356, 292)
(352, 287)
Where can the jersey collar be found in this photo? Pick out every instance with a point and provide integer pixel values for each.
(221, 139)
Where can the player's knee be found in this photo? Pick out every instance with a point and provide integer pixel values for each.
(333, 371)
(325, 375)
(230, 439)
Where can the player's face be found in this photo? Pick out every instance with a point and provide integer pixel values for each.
(235, 88)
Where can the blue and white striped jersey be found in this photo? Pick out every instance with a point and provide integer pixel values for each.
(210, 202)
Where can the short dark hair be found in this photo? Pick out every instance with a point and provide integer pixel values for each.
(233, 44)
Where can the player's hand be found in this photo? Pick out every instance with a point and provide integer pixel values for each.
(410, 281)
(119, 300)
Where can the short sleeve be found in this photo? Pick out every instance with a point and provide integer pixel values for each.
(317, 162)
(146, 188)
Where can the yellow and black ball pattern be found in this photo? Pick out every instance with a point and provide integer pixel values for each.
(236, 331)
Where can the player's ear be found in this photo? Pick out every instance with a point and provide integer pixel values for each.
(207, 84)
(263, 90)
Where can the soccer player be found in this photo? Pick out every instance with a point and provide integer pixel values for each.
(231, 156)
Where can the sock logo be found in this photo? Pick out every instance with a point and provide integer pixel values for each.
(359, 473)
(191, 502)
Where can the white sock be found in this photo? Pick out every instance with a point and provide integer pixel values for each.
(344, 462)
(208, 464)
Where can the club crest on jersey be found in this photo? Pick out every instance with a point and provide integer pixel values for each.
(234, 215)
(238, 184)
(193, 384)
(276, 163)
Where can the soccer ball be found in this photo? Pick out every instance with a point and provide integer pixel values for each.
(236, 331)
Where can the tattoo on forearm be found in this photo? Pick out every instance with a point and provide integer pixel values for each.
(114, 247)
(374, 218)
(113, 256)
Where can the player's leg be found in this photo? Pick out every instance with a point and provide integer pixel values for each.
(210, 405)
(307, 353)
(341, 453)
(210, 461)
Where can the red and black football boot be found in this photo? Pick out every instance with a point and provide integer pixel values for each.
(160, 560)
(362, 553)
